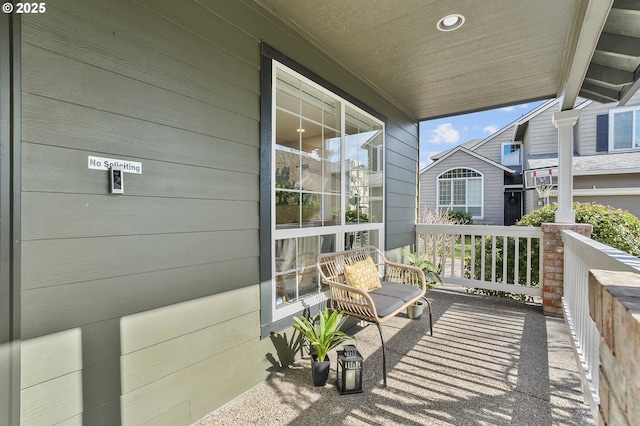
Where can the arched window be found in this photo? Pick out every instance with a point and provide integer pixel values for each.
(461, 189)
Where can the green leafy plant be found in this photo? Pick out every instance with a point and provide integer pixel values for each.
(430, 270)
(323, 332)
(614, 227)
(460, 216)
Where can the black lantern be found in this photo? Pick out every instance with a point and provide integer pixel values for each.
(349, 370)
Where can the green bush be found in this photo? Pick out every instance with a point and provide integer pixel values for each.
(499, 258)
(460, 217)
(614, 227)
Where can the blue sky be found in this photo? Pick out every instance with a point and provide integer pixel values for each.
(444, 133)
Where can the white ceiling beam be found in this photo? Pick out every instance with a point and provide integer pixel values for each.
(587, 25)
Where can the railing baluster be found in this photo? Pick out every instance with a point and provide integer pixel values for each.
(483, 256)
(516, 264)
(505, 257)
(472, 269)
(463, 238)
(493, 258)
(529, 265)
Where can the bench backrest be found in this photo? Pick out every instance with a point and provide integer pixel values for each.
(331, 265)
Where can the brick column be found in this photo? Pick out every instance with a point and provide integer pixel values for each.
(553, 264)
(614, 305)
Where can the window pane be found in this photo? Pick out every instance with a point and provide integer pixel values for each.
(375, 210)
(288, 93)
(356, 239)
(622, 130)
(474, 192)
(637, 129)
(331, 156)
(475, 211)
(311, 102)
(331, 210)
(331, 112)
(310, 208)
(296, 274)
(511, 154)
(363, 141)
(287, 209)
(445, 192)
(306, 265)
(459, 192)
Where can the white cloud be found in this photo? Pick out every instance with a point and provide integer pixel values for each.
(445, 133)
(490, 129)
(513, 108)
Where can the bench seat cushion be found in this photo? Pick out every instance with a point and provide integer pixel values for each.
(404, 292)
(385, 305)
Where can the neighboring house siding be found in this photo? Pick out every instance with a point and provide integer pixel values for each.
(144, 308)
(631, 180)
(493, 177)
(543, 135)
(492, 148)
(585, 142)
(587, 124)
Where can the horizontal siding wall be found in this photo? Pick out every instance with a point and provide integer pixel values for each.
(492, 149)
(587, 123)
(120, 82)
(543, 135)
(143, 308)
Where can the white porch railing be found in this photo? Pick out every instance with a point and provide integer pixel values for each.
(488, 257)
(580, 255)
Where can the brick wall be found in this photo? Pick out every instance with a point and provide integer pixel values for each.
(553, 264)
(614, 305)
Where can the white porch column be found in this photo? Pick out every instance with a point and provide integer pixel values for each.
(564, 121)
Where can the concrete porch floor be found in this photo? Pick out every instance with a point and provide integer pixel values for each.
(490, 361)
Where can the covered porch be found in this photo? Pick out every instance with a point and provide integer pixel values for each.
(490, 361)
(163, 314)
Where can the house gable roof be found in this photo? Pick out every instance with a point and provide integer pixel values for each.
(461, 148)
(468, 144)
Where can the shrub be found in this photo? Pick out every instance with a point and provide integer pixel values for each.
(459, 216)
(614, 227)
(611, 226)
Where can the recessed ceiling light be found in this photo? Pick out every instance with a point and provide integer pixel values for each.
(300, 130)
(451, 22)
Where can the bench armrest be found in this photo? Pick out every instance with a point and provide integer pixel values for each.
(352, 300)
(405, 274)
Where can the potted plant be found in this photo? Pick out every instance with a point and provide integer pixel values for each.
(430, 274)
(323, 334)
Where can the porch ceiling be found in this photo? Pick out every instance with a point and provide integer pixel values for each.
(506, 52)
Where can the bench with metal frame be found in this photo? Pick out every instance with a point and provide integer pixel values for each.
(402, 285)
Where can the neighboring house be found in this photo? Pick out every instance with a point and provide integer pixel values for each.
(494, 178)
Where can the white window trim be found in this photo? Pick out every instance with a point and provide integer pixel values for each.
(612, 113)
(439, 206)
(502, 153)
(339, 230)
